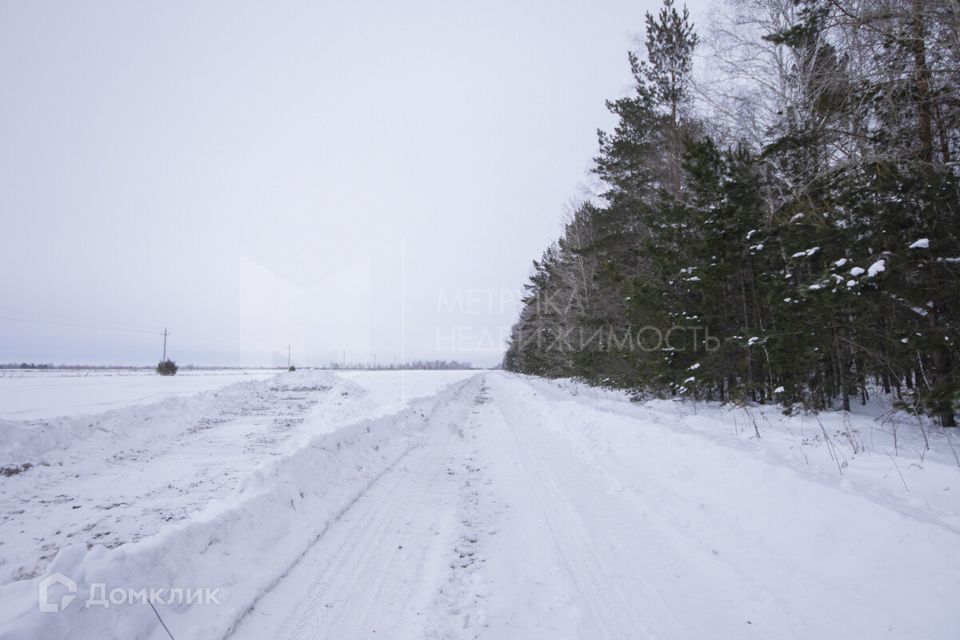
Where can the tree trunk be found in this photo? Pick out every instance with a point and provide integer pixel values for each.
(918, 46)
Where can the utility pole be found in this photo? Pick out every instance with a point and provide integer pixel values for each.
(288, 356)
(164, 334)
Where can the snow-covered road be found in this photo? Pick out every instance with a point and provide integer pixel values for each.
(382, 565)
(491, 505)
(514, 521)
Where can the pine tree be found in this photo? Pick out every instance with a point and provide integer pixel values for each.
(811, 264)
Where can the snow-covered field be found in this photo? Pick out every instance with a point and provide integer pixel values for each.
(466, 504)
(32, 394)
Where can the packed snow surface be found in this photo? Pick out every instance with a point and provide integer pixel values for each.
(476, 505)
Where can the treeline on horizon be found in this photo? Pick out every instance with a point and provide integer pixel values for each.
(413, 365)
(783, 230)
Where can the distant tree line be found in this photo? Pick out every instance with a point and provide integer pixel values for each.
(26, 365)
(415, 364)
(785, 230)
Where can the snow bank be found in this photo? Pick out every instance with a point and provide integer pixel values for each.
(830, 526)
(902, 461)
(239, 546)
(49, 441)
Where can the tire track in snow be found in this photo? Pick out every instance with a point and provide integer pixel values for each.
(647, 493)
(611, 610)
(336, 584)
(360, 574)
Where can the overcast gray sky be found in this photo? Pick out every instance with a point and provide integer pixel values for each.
(367, 177)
